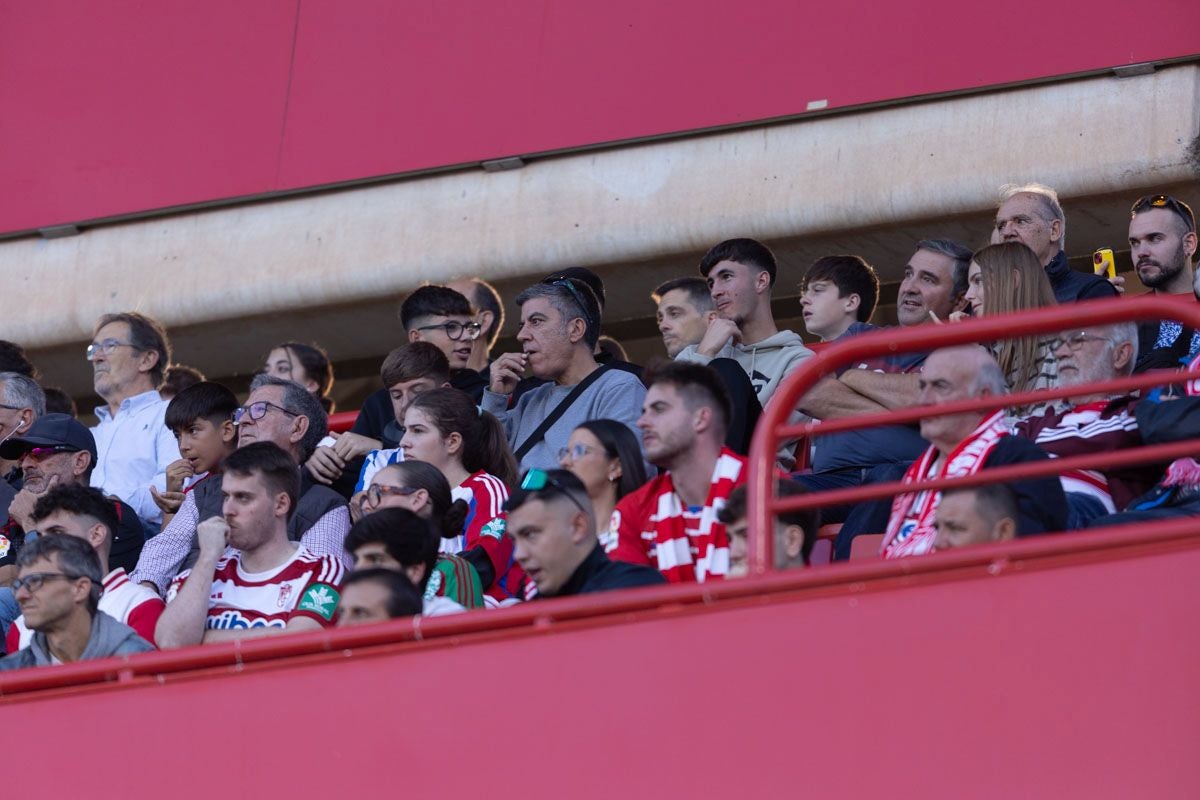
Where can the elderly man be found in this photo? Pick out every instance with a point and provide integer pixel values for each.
(1032, 214)
(553, 525)
(960, 445)
(1094, 423)
(289, 416)
(560, 324)
(59, 589)
(129, 353)
(1162, 244)
(22, 401)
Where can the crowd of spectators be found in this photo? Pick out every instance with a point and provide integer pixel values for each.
(474, 479)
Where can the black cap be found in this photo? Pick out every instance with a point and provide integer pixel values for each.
(51, 430)
(582, 274)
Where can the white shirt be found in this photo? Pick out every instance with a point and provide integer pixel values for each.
(134, 448)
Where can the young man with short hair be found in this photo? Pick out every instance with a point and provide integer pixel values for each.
(671, 522)
(397, 539)
(377, 595)
(83, 512)
(795, 531)
(1162, 244)
(250, 579)
(58, 589)
(554, 532)
(838, 295)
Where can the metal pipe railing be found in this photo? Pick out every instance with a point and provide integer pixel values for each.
(773, 428)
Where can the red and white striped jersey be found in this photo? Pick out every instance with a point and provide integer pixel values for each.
(485, 494)
(127, 602)
(305, 586)
(687, 544)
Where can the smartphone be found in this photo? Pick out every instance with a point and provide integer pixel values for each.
(1103, 263)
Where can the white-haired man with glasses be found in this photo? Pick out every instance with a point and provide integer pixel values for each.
(560, 324)
(288, 415)
(129, 353)
(58, 589)
(552, 524)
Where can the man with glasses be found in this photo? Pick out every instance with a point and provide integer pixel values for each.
(1162, 244)
(551, 521)
(1095, 422)
(285, 414)
(129, 353)
(445, 319)
(1031, 214)
(59, 589)
(59, 451)
(560, 325)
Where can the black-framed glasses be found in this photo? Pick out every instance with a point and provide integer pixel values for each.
(376, 492)
(257, 411)
(1077, 340)
(569, 285)
(1177, 207)
(105, 348)
(538, 480)
(34, 580)
(456, 330)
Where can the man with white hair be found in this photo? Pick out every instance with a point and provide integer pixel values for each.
(1032, 214)
(961, 445)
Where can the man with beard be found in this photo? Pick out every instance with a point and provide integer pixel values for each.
(1162, 242)
(671, 522)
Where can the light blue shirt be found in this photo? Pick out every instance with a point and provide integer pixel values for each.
(134, 448)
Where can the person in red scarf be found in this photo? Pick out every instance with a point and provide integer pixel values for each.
(671, 522)
(963, 444)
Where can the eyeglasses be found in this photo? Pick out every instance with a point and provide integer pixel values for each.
(569, 285)
(1076, 340)
(576, 452)
(105, 348)
(257, 411)
(376, 492)
(1177, 207)
(536, 480)
(456, 330)
(34, 580)
(39, 453)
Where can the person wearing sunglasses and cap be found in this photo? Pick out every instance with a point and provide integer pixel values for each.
(288, 415)
(551, 521)
(1162, 244)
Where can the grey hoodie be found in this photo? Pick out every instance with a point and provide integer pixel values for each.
(766, 362)
(109, 638)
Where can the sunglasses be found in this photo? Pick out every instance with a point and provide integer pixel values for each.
(39, 453)
(1177, 207)
(569, 285)
(538, 480)
(257, 411)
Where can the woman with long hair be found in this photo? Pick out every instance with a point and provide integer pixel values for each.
(1005, 278)
(305, 364)
(422, 489)
(443, 427)
(604, 454)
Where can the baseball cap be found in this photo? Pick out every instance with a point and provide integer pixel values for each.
(51, 430)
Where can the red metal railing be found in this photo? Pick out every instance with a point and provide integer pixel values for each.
(763, 505)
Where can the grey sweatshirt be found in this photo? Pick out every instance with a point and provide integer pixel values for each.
(109, 638)
(616, 395)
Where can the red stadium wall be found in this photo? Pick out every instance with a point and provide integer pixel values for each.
(143, 106)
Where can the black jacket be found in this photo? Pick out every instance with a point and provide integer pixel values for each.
(599, 574)
(1070, 286)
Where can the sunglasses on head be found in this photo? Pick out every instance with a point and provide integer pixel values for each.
(1177, 207)
(540, 481)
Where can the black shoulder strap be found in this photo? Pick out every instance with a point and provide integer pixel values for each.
(558, 411)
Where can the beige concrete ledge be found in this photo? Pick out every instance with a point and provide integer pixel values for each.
(845, 178)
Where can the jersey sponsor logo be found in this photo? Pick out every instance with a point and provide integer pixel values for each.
(494, 528)
(231, 619)
(321, 599)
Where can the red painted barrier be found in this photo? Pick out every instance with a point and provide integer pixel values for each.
(127, 107)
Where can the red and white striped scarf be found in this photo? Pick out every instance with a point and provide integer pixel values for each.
(910, 529)
(693, 546)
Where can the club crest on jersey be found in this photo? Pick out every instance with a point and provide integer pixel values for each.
(494, 528)
(321, 599)
(285, 594)
(5, 545)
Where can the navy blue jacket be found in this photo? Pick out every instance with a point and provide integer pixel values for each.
(1070, 286)
(598, 573)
